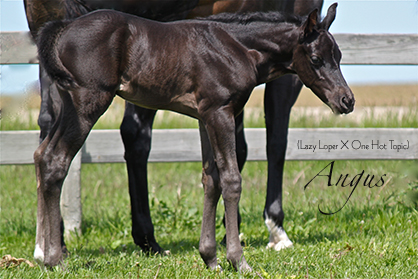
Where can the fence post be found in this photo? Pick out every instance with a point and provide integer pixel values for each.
(71, 198)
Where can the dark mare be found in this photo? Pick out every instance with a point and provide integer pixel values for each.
(206, 69)
(280, 95)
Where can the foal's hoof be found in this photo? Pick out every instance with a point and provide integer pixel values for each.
(244, 267)
(38, 255)
(217, 268)
(65, 252)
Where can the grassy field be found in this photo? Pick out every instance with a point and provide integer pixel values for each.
(373, 236)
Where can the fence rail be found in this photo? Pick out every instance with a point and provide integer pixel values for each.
(181, 145)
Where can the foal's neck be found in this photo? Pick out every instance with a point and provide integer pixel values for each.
(274, 44)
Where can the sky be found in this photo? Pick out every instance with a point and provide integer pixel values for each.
(367, 16)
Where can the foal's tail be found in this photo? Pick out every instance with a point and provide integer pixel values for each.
(48, 53)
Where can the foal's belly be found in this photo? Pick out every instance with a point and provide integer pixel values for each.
(184, 103)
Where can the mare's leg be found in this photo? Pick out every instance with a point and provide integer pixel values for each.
(210, 181)
(241, 144)
(52, 160)
(241, 147)
(220, 127)
(136, 135)
(280, 96)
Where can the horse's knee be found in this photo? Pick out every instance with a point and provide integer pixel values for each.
(45, 122)
(44, 119)
(51, 173)
(231, 186)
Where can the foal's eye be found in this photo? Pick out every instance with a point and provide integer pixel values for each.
(316, 61)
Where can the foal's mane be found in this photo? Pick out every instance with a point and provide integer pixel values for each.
(75, 8)
(255, 17)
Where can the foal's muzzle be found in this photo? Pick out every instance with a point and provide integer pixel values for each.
(343, 101)
(347, 104)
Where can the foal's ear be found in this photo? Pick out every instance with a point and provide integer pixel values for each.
(329, 18)
(309, 25)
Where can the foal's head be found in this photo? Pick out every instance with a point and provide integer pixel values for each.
(316, 60)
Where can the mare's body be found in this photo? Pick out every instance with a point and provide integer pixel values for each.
(204, 69)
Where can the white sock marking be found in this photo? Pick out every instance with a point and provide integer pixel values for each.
(38, 254)
(278, 237)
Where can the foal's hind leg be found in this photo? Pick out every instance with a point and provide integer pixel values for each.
(80, 111)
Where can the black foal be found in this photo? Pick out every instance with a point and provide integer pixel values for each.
(280, 96)
(204, 69)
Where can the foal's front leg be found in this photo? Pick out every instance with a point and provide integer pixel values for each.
(220, 127)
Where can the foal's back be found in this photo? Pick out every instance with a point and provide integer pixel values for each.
(172, 62)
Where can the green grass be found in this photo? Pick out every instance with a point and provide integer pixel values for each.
(373, 236)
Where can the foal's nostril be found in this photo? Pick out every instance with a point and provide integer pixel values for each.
(347, 103)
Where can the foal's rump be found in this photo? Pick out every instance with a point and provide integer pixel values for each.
(85, 52)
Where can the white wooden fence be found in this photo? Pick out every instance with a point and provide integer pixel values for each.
(183, 145)
(17, 147)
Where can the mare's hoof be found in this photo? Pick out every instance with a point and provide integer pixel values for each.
(152, 249)
(166, 253)
(280, 245)
(162, 253)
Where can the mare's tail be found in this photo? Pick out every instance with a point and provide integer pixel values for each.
(48, 54)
